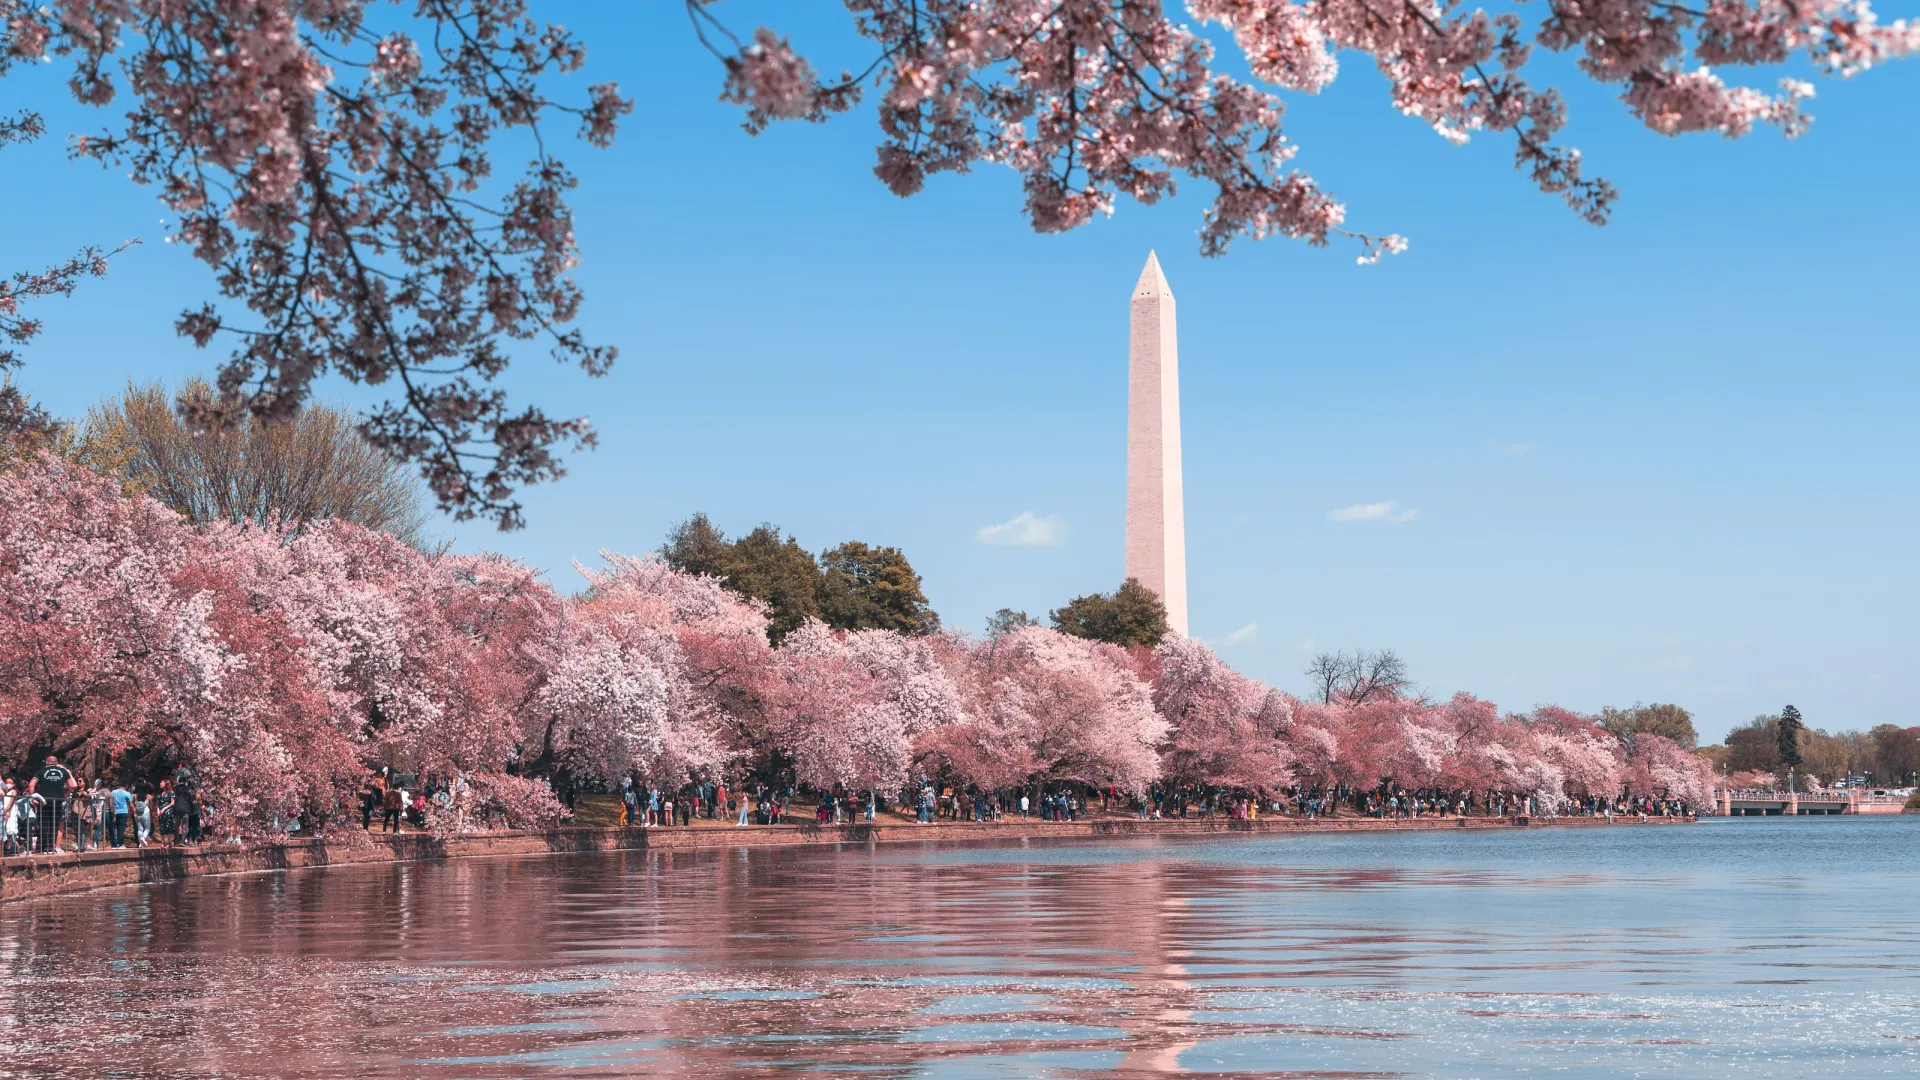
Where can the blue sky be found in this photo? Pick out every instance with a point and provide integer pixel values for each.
(1667, 460)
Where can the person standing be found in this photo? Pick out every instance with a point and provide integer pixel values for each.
(190, 807)
(142, 816)
(186, 797)
(395, 804)
(27, 807)
(371, 798)
(122, 813)
(83, 820)
(10, 806)
(52, 785)
(165, 815)
(102, 809)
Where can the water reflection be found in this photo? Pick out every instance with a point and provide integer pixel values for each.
(1724, 949)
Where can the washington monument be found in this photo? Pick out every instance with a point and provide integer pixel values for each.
(1156, 523)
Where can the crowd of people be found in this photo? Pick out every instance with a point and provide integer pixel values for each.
(1390, 801)
(643, 804)
(51, 809)
(399, 800)
(45, 809)
(646, 805)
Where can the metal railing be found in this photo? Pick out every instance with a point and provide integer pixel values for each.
(34, 825)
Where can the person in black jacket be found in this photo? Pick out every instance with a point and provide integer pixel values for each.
(52, 784)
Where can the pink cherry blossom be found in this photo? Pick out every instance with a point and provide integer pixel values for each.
(332, 162)
(1656, 767)
(332, 173)
(1043, 705)
(281, 665)
(1227, 730)
(1090, 100)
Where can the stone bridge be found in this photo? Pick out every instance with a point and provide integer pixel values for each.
(1772, 803)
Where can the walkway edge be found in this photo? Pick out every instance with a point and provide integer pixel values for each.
(31, 877)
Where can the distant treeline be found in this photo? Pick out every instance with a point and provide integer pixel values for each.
(1886, 755)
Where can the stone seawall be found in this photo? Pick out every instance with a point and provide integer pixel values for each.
(27, 877)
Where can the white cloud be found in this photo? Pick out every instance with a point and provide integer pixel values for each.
(1244, 634)
(1306, 645)
(1025, 531)
(1381, 511)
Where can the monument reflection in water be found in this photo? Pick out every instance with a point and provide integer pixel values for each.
(1730, 948)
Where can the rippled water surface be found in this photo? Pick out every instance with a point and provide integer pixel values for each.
(1742, 948)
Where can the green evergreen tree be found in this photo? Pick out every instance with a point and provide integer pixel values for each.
(779, 571)
(760, 565)
(694, 546)
(1130, 615)
(1789, 736)
(862, 587)
(855, 586)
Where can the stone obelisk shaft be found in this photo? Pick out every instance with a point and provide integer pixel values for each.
(1156, 522)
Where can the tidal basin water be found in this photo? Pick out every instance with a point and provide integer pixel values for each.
(1730, 948)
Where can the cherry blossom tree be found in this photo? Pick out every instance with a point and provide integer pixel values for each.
(130, 636)
(430, 661)
(1478, 760)
(1657, 766)
(724, 683)
(1354, 743)
(1045, 705)
(852, 706)
(332, 162)
(620, 703)
(1089, 100)
(631, 689)
(514, 621)
(96, 644)
(840, 717)
(986, 745)
(281, 664)
(260, 723)
(1573, 747)
(1227, 729)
